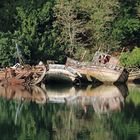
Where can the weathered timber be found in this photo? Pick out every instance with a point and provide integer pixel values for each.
(62, 73)
(25, 75)
(104, 69)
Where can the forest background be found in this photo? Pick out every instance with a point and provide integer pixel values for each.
(55, 29)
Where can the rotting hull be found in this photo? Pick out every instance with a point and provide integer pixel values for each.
(2, 75)
(103, 74)
(59, 76)
(60, 73)
(104, 68)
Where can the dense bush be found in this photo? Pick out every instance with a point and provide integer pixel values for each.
(7, 50)
(131, 59)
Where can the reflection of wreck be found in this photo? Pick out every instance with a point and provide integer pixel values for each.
(103, 98)
(24, 75)
(22, 93)
(59, 94)
(103, 68)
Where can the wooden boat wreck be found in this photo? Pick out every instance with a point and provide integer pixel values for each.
(61, 73)
(24, 75)
(103, 68)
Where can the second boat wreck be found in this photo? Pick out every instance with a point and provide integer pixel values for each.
(103, 68)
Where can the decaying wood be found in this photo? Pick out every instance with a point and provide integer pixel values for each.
(102, 68)
(61, 72)
(37, 78)
(25, 75)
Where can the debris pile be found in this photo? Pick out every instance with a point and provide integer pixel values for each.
(23, 75)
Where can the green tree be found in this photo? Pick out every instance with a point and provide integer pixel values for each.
(7, 50)
(55, 29)
(70, 26)
(131, 59)
(35, 31)
(102, 15)
(126, 25)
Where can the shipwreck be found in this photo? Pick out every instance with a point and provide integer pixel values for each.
(103, 68)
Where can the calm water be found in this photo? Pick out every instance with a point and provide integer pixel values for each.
(106, 112)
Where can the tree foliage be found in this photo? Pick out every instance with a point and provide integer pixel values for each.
(70, 25)
(7, 50)
(35, 30)
(131, 59)
(56, 29)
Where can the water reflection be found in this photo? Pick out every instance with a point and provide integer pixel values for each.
(103, 98)
(72, 113)
(134, 94)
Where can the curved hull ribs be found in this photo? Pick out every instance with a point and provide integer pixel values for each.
(61, 72)
(40, 79)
